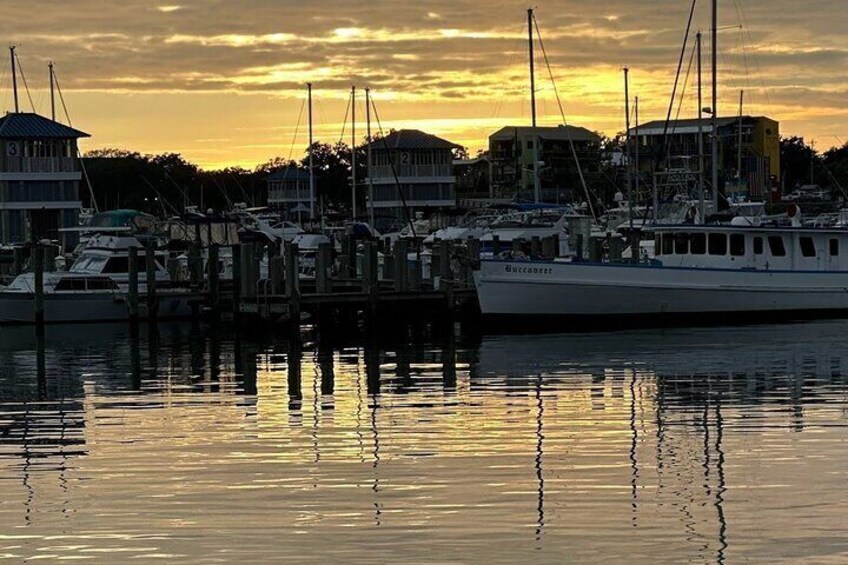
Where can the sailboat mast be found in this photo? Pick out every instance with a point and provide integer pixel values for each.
(714, 117)
(739, 142)
(353, 149)
(52, 98)
(701, 200)
(368, 149)
(311, 157)
(537, 188)
(627, 146)
(14, 77)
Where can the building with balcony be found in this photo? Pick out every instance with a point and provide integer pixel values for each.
(415, 167)
(39, 177)
(512, 151)
(663, 147)
(288, 190)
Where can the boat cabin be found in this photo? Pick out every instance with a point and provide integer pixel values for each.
(757, 248)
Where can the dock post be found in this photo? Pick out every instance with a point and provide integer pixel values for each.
(236, 252)
(248, 278)
(535, 247)
(38, 267)
(17, 261)
(132, 295)
(370, 281)
(152, 300)
(49, 258)
(195, 266)
(400, 252)
(292, 260)
(415, 274)
(323, 266)
(579, 246)
(445, 274)
(214, 278)
(496, 245)
(276, 274)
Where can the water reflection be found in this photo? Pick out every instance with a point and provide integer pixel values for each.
(683, 445)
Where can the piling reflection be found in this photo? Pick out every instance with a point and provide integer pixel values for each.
(649, 437)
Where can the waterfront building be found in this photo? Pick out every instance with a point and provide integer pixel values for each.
(288, 190)
(39, 177)
(512, 151)
(412, 166)
(662, 147)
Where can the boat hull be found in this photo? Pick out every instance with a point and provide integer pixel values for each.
(19, 308)
(595, 291)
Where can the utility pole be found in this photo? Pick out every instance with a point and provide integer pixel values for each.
(537, 186)
(714, 117)
(311, 162)
(52, 98)
(701, 199)
(368, 149)
(14, 77)
(627, 146)
(353, 149)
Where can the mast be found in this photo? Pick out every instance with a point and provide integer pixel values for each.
(368, 148)
(700, 134)
(52, 98)
(636, 156)
(627, 146)
(739, 143)
(714, 117)
(14, 77)
(311, 157)
(537, 188)
(353, 149)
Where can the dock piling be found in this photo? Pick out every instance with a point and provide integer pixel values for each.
(152, 300)
(132, 294)
(38, 267)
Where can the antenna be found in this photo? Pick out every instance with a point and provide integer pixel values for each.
(52, 98)
(14, 77)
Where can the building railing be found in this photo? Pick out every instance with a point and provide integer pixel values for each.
(385, 171)
(40, 165)
(390, 193)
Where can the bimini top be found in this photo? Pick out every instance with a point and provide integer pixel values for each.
(26, 125)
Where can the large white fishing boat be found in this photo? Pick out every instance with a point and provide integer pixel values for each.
(698, 273)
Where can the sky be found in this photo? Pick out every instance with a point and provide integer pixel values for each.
(223, 82)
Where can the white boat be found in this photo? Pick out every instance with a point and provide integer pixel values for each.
(712, 273)
(94, 289)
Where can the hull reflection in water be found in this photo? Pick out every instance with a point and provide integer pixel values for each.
(708, 445)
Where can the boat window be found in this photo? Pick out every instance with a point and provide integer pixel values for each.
(667, 244)
(776, 247)
(101, 284)
(70, 284)
(699, 243)
(834, 247)
(681, 243)
(717, 243)
(808, 248)
(122, 265)
(758, 245)
(737, 244)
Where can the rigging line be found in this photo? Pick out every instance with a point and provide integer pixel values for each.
(79, 153)
(394, 171)
(677, 74)
(23, 77)
(682, 99)
(296, 128)
(564, 121)
(512, 53)
(344, 121)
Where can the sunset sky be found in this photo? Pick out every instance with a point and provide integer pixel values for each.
(222, 82)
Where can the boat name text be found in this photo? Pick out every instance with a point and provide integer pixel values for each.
(533, 270)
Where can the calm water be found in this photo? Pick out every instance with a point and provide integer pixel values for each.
(690, 445)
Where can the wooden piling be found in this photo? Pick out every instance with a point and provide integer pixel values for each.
(415, 274)
(49, 258)
(579, 250)
(132, 294)
(496, 245)
(401, 274)
(38, 267)
(276, 274)
(445, 274)
(370, 282)
(214, 278)
(152, 299)
(248, 277)
(323, 267)
(236, 252)
(195, 266)
(292, 264)
(17, 261)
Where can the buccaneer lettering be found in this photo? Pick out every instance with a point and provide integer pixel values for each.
(530, 270)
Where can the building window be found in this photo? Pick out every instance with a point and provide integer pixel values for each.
(758, 245)
(737, 244)
(718, 244)
(776, 247)
(808, 248)
(834, 247)
(698, 244)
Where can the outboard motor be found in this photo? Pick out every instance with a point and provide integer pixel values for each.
(793, 211)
